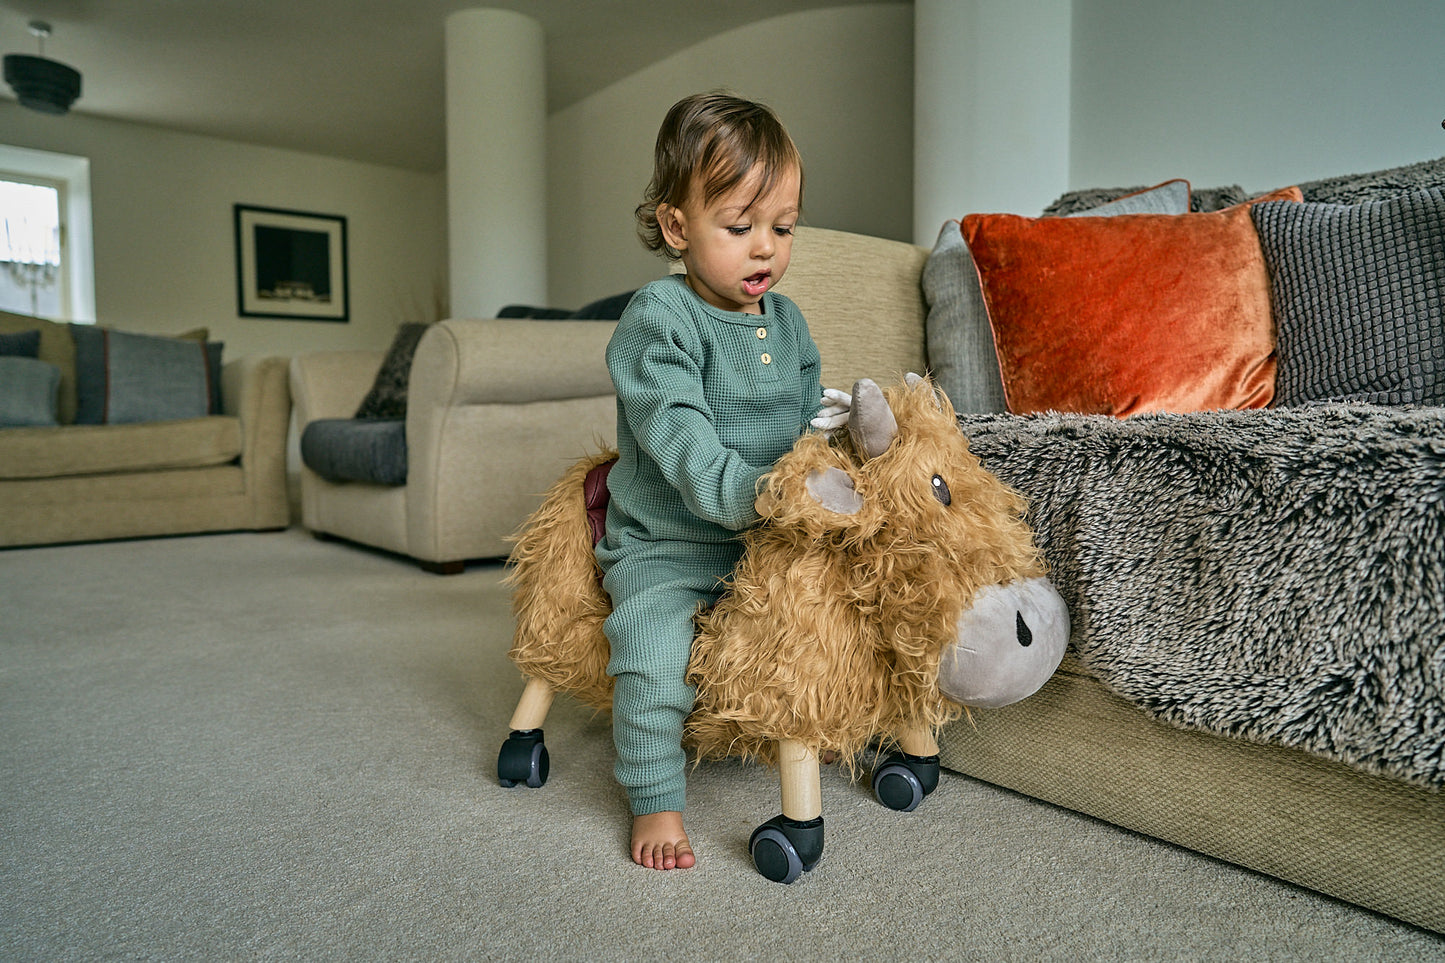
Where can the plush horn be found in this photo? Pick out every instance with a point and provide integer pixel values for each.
(871, 422)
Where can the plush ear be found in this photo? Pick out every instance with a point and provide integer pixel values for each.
(833, 489)
(913, 380)
(871, 421)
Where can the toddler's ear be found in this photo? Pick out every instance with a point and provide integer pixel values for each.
(673, 225)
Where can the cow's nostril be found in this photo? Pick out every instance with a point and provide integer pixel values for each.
(1026, 637)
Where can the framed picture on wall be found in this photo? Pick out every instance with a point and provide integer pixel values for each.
(290, 264)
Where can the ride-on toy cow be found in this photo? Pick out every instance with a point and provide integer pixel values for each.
(892, 582)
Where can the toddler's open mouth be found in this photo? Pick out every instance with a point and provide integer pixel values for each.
(757, 284)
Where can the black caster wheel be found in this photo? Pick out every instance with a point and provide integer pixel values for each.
(903, 780)
(783, 849)
(523, 759)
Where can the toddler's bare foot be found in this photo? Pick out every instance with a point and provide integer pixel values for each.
(659, 842)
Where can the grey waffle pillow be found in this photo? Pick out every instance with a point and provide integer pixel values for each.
(1358, 298)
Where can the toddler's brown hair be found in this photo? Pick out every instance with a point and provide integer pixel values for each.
(712, 142)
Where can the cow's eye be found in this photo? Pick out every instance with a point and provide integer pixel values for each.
(940, 490)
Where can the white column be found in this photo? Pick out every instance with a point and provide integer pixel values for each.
(991, 108)
(496, 161)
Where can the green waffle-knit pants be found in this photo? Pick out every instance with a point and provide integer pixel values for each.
(655, 592)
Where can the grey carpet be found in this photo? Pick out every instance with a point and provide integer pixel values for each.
(261, 746)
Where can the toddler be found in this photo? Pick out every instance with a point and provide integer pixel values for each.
(716, 377)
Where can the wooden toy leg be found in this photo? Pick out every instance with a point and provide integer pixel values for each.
(791, 844)
(523, 758)
(532, 708)
(905, 777)
(802, 786)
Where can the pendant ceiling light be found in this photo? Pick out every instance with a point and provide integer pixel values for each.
(44, 85)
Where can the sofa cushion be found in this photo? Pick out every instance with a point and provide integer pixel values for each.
(27, 391)
(356, 449)
(1115, 316)
(56, 347)
(1359, 298)
(107, 449)
(961, 354)
(387, 397)
(21, 344)
(123, 377)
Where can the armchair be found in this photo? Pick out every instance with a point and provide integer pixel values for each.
(496, 411)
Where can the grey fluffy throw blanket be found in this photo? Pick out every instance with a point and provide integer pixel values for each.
(1275, 576)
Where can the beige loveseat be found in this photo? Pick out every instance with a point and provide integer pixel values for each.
(78, 483)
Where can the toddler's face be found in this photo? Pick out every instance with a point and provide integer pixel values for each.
(736, 248)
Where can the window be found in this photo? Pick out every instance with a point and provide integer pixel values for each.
(45, 241)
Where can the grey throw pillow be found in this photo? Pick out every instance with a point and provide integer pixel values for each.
(387, 397)
(123, 377)
(1359, 298)
(27, 392)
(961, 353)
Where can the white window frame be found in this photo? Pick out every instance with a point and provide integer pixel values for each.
(77, 245)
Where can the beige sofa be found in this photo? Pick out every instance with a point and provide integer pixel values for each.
(78, 483)
(1363, 838)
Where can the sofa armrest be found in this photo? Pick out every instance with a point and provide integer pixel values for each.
(331, 384)
(496, 411)
(254, 390)
(509, 361)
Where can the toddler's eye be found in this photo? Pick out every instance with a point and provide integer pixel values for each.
(738, 231)
(783, 231)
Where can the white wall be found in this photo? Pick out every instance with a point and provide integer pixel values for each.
(841, 80)
(991, 105)
(1260, 93)
(165, 257)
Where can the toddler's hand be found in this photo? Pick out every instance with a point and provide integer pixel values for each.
(834, 411)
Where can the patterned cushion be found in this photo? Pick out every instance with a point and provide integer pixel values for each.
(1359, 298)
(387, 398)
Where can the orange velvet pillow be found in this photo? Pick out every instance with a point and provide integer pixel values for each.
(1120, 315)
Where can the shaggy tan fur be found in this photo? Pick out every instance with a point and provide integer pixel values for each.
(833, 626)
(557, 595)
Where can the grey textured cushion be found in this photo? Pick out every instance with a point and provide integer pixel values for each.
(387, 397)
(1359, 298)
(125, 378)
(27, 392)
(961, 353)
(356, 449)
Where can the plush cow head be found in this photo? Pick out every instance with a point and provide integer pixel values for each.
(938, 541)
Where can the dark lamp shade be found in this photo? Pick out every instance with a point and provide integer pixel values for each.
(44, 85)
